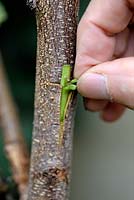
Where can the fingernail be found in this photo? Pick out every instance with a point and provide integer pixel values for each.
(93, 85)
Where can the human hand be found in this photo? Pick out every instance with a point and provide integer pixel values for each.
(104, 63)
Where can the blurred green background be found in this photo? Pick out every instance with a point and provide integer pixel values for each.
(18, 47)
(103, 160)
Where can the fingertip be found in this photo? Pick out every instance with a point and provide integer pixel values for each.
(93, 86)
(81, 64)
(112, 112)
(94, 105)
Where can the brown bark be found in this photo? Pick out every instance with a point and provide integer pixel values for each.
(15, 146)
(51, 163)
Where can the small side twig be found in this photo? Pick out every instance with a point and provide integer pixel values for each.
(15, 146)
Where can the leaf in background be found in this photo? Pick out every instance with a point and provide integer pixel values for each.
(3, 14)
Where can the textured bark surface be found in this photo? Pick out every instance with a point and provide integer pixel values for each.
(14, 144)
(51, 162)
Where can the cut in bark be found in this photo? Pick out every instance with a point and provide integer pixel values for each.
(14, 144)
(51, 162)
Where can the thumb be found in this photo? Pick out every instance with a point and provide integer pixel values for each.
(113, 81)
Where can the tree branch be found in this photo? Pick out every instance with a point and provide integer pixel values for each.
(15, 146)
(51, 162)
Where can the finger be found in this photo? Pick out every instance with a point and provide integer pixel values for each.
(95, 35)
(124, 47)
(129, 51)
(112, 112)
(94, 105)
(113, 81)
(112, 15)
(120, 49)
(122, 43)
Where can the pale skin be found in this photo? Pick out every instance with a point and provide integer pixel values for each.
(105, 57)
